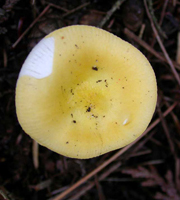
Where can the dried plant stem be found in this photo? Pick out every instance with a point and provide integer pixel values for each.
(35, 152)
(111, 159)
(155, 20)
(147, 47)
(56, 6)
(30, 26)
(5, 58)
(76, 9)
(161, 45)
(178, 49)
(175, 118)
(42, 13)
(142, 31)
(143, 44)
(110, 12)
(177, 173)
(163, 12)
(166, 130)
(92, 184)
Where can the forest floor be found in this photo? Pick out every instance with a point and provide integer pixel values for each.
(148, 168)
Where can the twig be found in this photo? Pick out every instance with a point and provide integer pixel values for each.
(56, 6)
(174, 2)
(5, 58)
(142, 30)
(76, 9)
(177, 173)
(42, 13)
(153, 17)
(143, 142)
(110, 12)
(152, 162)
(163, 12)
(140, 153)
(146, 46)
(166, 130)
(30, 26)
(92, 184)
(155, 141)
(178, 49)
(5, 194)
(161, 45)
(175, 118)
(143, 44)
(35, 153)
(111, 159)
(160, 21)
(99, 189)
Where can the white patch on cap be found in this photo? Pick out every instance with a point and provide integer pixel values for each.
(125, 121)
(39, 63)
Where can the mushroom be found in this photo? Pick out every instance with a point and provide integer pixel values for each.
(83, 91)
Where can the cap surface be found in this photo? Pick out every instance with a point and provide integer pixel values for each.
(83, 92)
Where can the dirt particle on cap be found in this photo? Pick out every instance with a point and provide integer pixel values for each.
(89, 109)
(106, 83)
(95, 68)
(76, 46)
(72, 92)
(98, 81)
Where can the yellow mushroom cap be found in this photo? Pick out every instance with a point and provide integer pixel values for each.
(83, 92)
